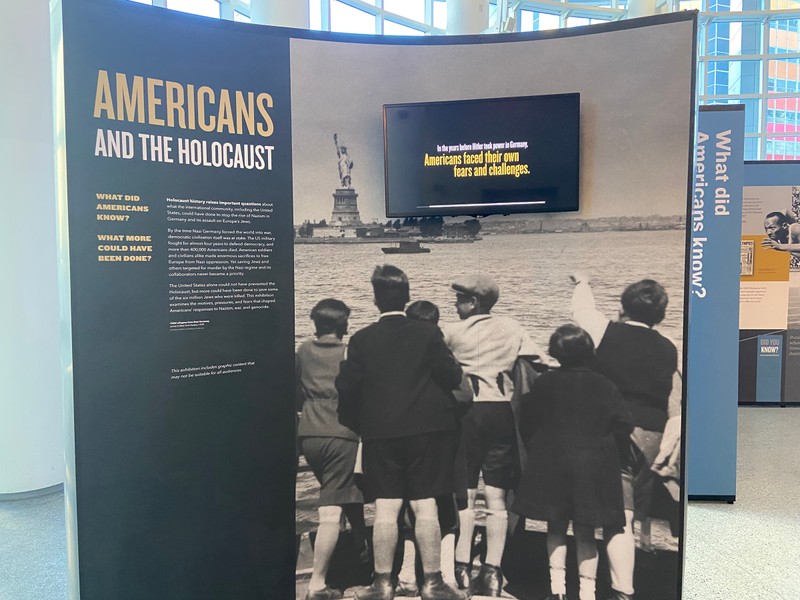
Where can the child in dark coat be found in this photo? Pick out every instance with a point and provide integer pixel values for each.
(447, 504)
(395, 390)
(570, 422)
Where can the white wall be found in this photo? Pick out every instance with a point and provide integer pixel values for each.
(31, 423)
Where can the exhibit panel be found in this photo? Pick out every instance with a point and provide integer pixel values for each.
(630, 226)
(177, 215)
(769, 337)
(714, 303)
(220, 183)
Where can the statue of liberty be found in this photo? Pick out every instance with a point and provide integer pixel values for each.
(345, 164)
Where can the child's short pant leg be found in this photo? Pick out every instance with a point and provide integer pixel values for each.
(412, 467)
(333, 461)
(490, 437)
(637, 477)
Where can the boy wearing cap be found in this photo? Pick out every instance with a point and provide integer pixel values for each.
(394, 389)
(487, 346)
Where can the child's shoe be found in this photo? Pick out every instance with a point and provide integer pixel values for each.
(436, 589)
(381, 589)
(463, 575)
(489, 582)
(406, 589)
(325, 593)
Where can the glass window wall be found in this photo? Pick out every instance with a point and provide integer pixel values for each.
(748, 50)
(206, 8)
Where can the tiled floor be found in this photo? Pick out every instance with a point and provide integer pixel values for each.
(751, 550)
(746, 551)
(33, 549)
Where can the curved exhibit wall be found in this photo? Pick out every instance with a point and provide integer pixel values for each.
(220, 179)
(634, 153)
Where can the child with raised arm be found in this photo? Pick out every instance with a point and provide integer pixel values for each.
(643, 364)
(329, 447)
(571, 422)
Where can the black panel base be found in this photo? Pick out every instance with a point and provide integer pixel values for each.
(713, 498)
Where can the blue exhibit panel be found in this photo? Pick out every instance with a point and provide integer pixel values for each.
(769, 368)
(713, 350)
(771, 172)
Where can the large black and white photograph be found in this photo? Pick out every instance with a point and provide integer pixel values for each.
(490, 406)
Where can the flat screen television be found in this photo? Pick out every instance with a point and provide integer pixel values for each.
(482, 157)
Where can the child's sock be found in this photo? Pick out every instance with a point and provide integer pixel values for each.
(496, 531)
(384, 542)
(327, 537)
(429, 540)
(408, 571)
(587, 589)
(449, 558)
(558, 581)
(557, 556)
(466, 519)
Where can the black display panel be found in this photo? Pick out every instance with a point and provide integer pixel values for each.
(482, 157)
(179, 208)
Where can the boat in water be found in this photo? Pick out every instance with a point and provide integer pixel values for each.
(406, 247)
(455, 240)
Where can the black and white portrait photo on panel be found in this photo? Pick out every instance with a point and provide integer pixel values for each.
(491, 406)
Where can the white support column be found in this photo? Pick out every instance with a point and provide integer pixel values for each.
(226, 10)
(31, 411)
(284, 13)
(641, 8)
(467, 16)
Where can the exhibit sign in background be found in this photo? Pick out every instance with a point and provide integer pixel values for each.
(769, 337)
(178, 216)
(714, 302)
(188, 147)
